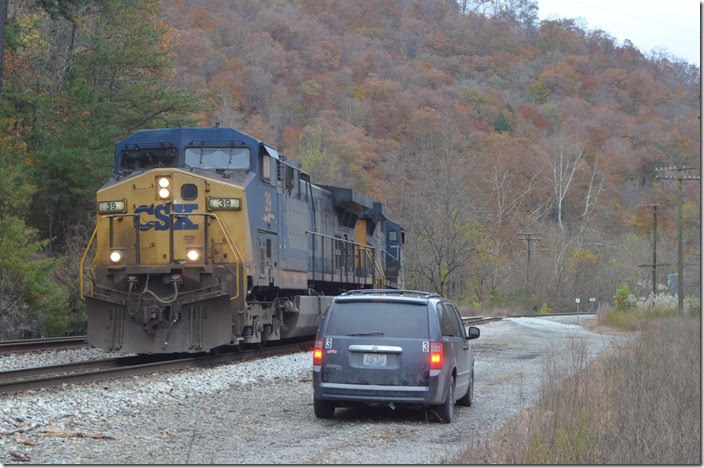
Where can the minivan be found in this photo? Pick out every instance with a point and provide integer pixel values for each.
(394, 347)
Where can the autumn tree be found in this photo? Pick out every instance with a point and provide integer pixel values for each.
(117, 83)
(79, 75)
(436, 215)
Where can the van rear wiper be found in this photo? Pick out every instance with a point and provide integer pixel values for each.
(371, 333)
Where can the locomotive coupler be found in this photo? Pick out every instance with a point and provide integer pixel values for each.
(150, 318)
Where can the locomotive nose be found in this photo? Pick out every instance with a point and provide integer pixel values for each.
(167, 269)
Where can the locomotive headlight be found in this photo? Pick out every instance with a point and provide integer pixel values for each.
(164, 182)
(164, 192)
(115, 256)
(193, 255)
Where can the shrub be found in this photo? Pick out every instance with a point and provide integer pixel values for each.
(545, 309)
(27, 286)
(623, 297)
(621, 319)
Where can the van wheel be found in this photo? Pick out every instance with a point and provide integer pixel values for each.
(467, 399)
(323, 409)
(446, 409)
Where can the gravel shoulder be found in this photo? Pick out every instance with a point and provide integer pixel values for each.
(261, 411)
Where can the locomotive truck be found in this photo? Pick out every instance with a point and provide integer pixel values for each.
(207, 237)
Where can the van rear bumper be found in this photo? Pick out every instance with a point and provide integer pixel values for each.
(376, 393)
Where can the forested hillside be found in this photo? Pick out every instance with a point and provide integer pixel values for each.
(471, 128)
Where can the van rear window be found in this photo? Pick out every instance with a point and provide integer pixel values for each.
(395, 319)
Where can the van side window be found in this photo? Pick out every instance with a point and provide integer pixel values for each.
(458, 318)
(448, 321)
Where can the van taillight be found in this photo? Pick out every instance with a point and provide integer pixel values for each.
(318, 352)
(436, 356)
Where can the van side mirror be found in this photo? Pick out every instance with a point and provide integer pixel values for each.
(473, 333)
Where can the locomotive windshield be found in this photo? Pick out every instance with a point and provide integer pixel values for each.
(133, 159)
(218, 158)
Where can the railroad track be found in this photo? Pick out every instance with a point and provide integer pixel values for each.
(91, 371)
(38, 343)
(475, 320)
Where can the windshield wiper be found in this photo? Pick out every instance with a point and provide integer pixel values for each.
(371, 333)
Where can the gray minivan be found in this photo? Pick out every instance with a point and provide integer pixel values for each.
(385, 346)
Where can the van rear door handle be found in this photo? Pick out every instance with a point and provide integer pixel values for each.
(466, 348)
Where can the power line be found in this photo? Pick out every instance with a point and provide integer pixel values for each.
(679, 177)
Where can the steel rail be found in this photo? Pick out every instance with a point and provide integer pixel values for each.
(34, 343)
(475, 320)
(91, 371)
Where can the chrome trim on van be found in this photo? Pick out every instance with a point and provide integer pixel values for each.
(376, 348)
(377, 388)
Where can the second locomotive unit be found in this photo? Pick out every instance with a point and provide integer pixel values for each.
(208, 237)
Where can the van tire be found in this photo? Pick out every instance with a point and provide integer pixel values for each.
(446, 409)
(467, 399)
(323, 409)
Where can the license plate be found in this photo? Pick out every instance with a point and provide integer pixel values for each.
(375, 360)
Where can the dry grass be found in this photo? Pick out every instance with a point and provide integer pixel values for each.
(636, 404)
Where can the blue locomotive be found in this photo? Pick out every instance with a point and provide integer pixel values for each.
(208, 237)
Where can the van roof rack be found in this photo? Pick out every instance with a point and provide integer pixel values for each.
(396, 292)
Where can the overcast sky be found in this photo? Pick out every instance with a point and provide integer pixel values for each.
(671, 25)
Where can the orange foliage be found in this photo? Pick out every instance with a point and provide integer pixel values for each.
(380, 79)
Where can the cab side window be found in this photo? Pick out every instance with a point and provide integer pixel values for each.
(448, 321)
(266, 167)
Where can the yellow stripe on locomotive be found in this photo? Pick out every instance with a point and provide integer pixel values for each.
(173, 209)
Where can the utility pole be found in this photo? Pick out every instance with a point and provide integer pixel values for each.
(655, 263)
(528, 237)
(679, 169)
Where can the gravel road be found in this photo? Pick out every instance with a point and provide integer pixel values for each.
(262, 412)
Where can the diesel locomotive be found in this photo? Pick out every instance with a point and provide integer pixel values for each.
(207, 237)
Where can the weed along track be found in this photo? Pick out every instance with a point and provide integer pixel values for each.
(614, 409)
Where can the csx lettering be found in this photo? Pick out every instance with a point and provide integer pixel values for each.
(163, 220)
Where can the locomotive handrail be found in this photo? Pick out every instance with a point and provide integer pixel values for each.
(395, 257)
(231, 244)
(378, 270)
(90, 243)
(346, 241)
(234, 249)
(358, 255)
(81, 271)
